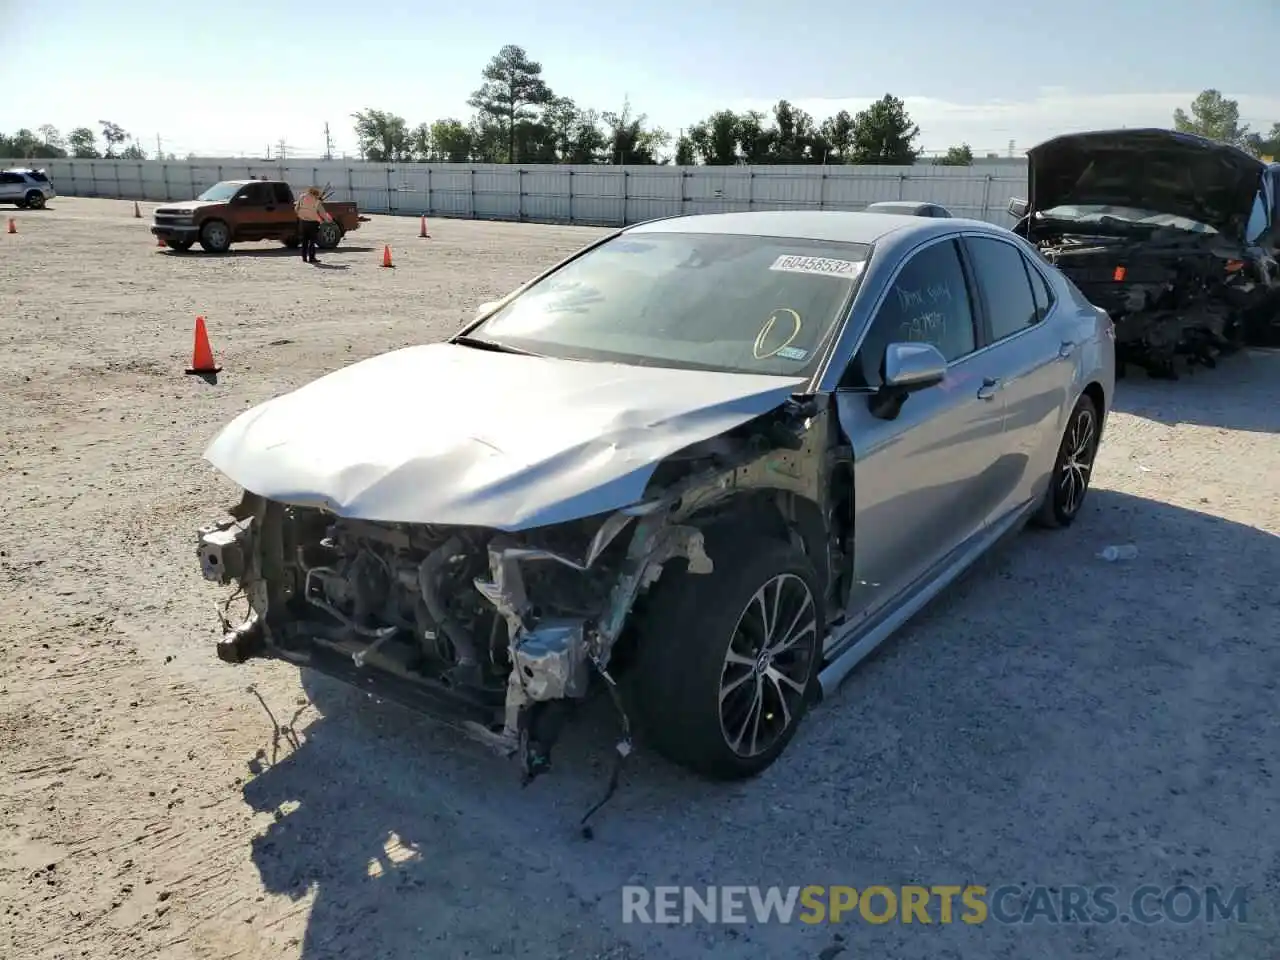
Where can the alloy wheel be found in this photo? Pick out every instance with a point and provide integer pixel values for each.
(767, 665)
(1078, 451)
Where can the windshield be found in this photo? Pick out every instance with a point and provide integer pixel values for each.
(697, 301)
(221, 191)
(1099, 214)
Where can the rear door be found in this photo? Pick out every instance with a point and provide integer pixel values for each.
(923, 480)
(1031, 353)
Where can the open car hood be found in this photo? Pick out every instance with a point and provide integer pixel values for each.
(1161, 170)
(456, 435)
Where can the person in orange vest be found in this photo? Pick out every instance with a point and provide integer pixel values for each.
(311, 213)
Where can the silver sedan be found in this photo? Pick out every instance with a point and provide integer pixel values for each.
(705, 464)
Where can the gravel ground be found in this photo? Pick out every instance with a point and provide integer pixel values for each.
(1052, 720)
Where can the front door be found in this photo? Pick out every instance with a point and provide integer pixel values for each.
(12, 187)
(281, 217)
(926, 481)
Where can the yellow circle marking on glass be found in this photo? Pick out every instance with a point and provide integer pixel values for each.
(796, 323)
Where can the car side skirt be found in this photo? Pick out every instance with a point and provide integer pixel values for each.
(845, 649)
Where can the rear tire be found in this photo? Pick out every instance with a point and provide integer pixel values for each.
(709, 695)
(1072, 468)
(215, 237)
(328, 236)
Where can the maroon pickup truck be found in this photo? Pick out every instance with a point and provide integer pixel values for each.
(235, 211)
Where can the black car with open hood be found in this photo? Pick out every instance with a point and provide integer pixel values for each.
(1173, 234)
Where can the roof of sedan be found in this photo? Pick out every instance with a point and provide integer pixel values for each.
(833, 225)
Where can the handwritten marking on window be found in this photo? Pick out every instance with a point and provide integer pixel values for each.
(923, 298)
(928, 327)
(786, 313)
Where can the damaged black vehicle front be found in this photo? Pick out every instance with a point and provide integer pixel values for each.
(1174, 235)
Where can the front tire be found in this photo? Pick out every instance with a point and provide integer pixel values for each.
(725, 661)
(215, 237)
(1072, 468)
(35, 200)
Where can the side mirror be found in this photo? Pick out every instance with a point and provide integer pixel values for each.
(1018, 208)
(906, 368)
(913, 366)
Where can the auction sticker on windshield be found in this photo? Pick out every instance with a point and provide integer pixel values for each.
(790, 263)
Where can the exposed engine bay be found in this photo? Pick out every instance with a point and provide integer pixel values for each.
(499, 633)
(1174, 235)
(1171, 295)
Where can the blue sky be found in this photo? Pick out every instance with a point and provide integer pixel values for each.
(229, 78)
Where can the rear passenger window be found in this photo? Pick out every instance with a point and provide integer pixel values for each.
(283, 194)
(928, 303)
(1040, 289)
(1006, 288)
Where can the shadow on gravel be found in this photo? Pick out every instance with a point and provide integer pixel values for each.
(1052, 719)
(269, 252)
(1241, 393)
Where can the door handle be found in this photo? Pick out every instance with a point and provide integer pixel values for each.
(990, 387)
(1067, 348)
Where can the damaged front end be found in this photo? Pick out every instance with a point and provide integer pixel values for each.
(1162, 230)
(499, 633)
(1169, 298)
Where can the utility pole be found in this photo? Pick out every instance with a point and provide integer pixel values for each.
(282, 150)
(159, 148)
(328, 142)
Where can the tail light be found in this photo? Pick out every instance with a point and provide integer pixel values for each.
(1119, 275)
(1235, 266)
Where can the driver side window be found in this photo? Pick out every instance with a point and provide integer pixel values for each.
(928, 302)
(254, 195)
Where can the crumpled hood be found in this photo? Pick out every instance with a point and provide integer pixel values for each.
(456, 435)
(1162, 170)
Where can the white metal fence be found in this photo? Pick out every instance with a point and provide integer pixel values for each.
(605, 195)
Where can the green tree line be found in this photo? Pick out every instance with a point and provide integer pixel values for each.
(519, 118)
(48, 143)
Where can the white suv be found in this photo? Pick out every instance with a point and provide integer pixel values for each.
(26, 188)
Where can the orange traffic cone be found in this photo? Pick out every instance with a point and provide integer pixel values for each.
(422, 234)
(137, 211)
(13, 225)
(160, 241)
(202, 354)
(386, 256)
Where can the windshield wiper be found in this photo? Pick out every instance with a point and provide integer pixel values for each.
(480, 343)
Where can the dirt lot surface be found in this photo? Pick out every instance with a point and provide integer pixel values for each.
(1053, 720)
